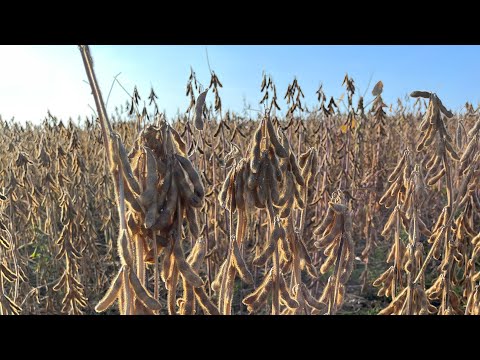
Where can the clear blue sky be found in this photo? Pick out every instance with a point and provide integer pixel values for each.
(34, 79)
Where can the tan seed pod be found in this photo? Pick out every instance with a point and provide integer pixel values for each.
(9, 306)
(149, 195)
(439, 223)
(188, 301)
(124, 249)
(192, 222)
(231, 202)
(408, 266)
(198, 120)
(429, 132)
(426, 121)
(167, 262)
(240, 265)
(131, 200)
(307, 168)
(383, 291)
(275, 164)
(347, 272)
(258, 298)
(310, 300)
(396, 170)
(383, 278)
(389, 310)
(423, 228)
(444, 110)
(278, 232)
(339, 209)
(288, 191)
(329, 215)
(433, 162)
(250, 198)
(172, 289)
(205, 303)
(476, 277)
(142, 293)
(279, 149)
(451, 151)
(140, 309)
(434, 292)
(151, 215)
(132, 224)
(220, 274)
(476, 240)
(198, 188)
(5, 243)
(302, 249)
(430, 136)
(315, 163)
(225, 303)
(328, 263)
(349, 258)
(288, 311)
(469, 150)
(457, 255)
(184, 189)
(168, 210)
(302, 159)
(182, 265)
(468, 229)
(267, 252)
(163, 189)
(178, 141)
(298, 198)
(7, 274)
(476, 201)
(331, 249)
(389, 224)
(162, 242)
(296, 171)
(252, 181)
(327, 291)
(272, 184)
(255, 157)
(284, 253)
(222, 196)
(335, 231)
(261, 190)
(286, 246)
(474, 130)
(126, 168)
(197, 255)
(391, 191)
(340, 295)
(311, 271)
(285, 293)
(239, 188)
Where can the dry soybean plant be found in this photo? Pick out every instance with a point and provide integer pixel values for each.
(451, 238)
(161, 189)
(337, 245)
(269, 178)
(8, 304)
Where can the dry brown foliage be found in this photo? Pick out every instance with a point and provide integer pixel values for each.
(215, 213)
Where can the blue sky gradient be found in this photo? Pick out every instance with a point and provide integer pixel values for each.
(34, 79)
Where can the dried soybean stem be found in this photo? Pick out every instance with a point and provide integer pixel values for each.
(97, 94)
(155, 269)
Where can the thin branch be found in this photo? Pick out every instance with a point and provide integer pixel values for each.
(208, 61)
(111, 88)
(90, 106)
